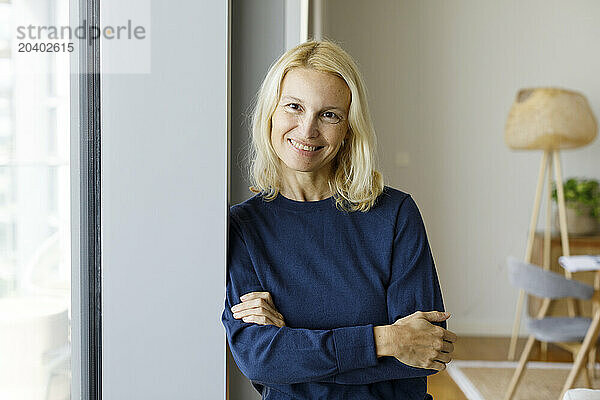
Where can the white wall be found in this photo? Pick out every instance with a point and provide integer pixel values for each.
(164, 206)
(442, 76)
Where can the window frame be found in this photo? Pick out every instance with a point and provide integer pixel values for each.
(86, 324)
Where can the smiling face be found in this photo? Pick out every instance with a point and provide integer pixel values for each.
(310, 121)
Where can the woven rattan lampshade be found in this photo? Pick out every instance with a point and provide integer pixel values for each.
(549, 119)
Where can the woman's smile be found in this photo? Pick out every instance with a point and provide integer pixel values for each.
(304, 149)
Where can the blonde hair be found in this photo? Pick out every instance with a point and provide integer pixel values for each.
(355, 183)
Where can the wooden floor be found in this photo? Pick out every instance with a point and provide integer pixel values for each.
(442, 387)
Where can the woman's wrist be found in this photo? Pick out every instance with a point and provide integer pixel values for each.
(382, 343)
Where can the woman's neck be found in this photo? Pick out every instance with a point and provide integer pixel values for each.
(305, 186)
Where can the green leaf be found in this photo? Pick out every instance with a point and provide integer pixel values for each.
(580, 193)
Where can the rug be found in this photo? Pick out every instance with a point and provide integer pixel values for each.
(488, 380)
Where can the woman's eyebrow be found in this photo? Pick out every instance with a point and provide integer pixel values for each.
(291, 98)
(301, 101)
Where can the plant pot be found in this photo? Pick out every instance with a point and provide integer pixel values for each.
(578, 225)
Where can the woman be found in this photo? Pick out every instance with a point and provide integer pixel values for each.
(332, 291)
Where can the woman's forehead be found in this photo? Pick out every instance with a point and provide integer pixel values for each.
(316, 86)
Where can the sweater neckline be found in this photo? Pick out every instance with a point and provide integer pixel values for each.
(306, 206)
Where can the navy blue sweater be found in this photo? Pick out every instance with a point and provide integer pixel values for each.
(333, 276)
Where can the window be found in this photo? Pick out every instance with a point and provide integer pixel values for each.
(35, 208)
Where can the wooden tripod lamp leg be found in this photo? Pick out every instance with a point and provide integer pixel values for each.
(532, 225)
(547, 238)
(593, 351)
(548, 230)
(562, 217)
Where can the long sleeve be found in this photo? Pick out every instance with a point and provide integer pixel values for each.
(414, 284)
(413, 287)
(269, 354)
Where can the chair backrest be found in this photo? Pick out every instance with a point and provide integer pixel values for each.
(541, 283)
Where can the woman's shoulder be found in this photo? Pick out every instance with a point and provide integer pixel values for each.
(391, 197)
(394, 193)
(396, 206)
(246, 209)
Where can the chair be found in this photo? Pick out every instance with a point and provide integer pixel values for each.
(566, 332)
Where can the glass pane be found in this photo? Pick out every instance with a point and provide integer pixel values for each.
(35, 261)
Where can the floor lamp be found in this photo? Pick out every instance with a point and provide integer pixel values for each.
(547, 119)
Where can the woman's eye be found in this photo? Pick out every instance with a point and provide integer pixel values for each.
(293, 106)
(331, 117)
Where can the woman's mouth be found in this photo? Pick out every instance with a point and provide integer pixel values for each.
(303, 148)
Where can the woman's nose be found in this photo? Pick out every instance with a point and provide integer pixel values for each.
(308, 125)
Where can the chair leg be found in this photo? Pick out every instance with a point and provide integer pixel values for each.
(588, 377)
(592, 362)
(514, 382)
(590, 337)
(587, 371)
(544, 351)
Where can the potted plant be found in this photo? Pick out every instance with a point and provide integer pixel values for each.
(582, 200)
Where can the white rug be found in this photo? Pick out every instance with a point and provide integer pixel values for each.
(487, 380)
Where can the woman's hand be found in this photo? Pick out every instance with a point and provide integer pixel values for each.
(258, 307)
(415, 341)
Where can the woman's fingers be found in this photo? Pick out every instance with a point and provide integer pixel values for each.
(258, 319)
(262, 319)
(256, 299)
(437, 365)
(258, 295)
(256, 303)
(258, 307)
(443, 357)
(259, 312)
(447, 347)
(450, 336)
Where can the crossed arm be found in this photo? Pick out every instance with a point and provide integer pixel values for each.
(412, 340)
(276, 354)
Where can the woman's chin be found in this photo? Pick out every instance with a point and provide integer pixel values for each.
(300, 167)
